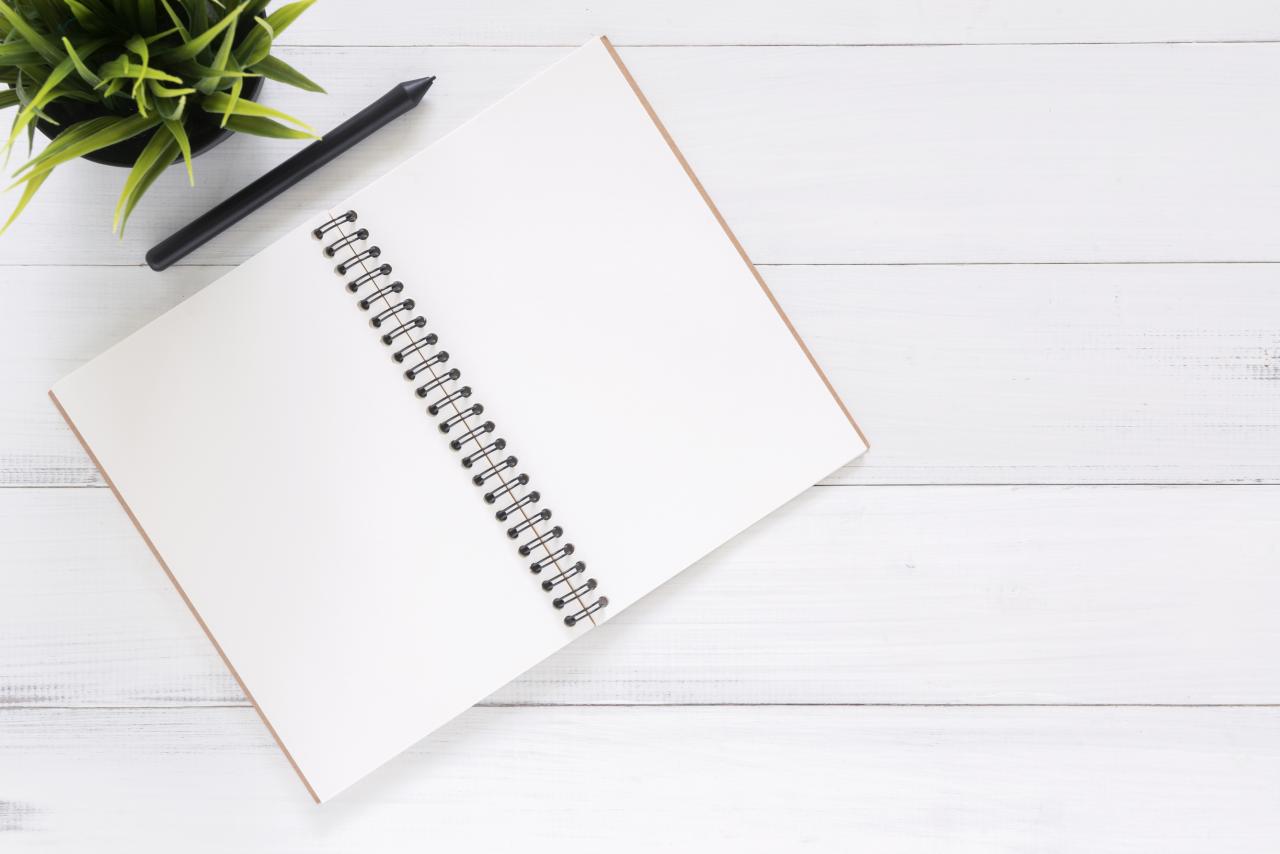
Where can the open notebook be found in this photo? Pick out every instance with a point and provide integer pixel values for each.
(453, 422)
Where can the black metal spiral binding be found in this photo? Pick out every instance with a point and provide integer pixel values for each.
(393, 288)
(349, 216)
(401, 329)
(358, 258)
(359, 282)
(335, 248)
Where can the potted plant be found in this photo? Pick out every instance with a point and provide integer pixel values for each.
(139, 83)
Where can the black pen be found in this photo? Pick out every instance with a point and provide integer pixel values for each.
(402, 98)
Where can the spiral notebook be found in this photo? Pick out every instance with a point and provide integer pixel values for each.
(450, 424)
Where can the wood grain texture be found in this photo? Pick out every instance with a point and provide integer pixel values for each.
(892, 155)
(960, 374)
(847, 595)
(918, 781)
(561, 22)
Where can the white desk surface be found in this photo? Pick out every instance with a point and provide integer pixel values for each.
(1051, 627)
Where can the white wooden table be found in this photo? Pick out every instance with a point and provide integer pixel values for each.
(1036, 246)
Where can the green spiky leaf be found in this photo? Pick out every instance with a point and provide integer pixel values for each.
(138, 46)
(193, 69)
(121, 68)
(83, 70)
(90, 14)
(282, 18)
(162, 91)
(198, 14)
(107, 130)
(266, 127)
(173, 109)
(43, 45)
(233, 99)
(40, 98)
(219, 102)
(261, 47)
(254, 8)
(189, 49)
(154, 159)
(32, 185)
(177, 21)
(274, 68)
(19, 53)
(179, 134)
(208, 84)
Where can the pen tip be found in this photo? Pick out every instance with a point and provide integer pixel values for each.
(417, 88)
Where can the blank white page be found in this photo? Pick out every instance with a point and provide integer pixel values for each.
(622, 344)
(313, 516)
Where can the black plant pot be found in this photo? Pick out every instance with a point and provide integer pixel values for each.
(203, 129)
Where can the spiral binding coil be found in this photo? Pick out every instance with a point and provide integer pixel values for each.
(402, 329)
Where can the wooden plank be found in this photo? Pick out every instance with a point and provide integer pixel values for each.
(819, 155)
(959, 374)
(642, 779)
(847, 595)
(1051, 374)
(562, 22)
